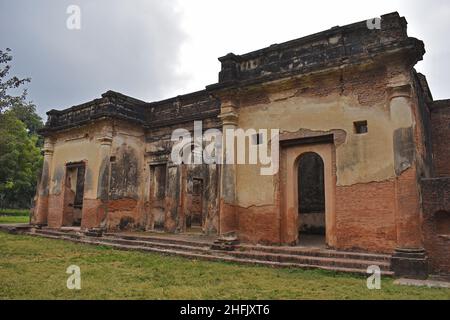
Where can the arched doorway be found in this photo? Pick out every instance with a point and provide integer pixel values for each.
(311, 199)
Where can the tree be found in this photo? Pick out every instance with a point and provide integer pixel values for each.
(7, 100)
(20, 161)
(26, 112)
(20, 156)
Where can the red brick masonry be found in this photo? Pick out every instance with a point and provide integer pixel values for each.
(436, 217)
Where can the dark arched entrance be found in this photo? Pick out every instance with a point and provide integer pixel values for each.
(311, 198)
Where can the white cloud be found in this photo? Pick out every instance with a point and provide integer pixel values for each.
(217, 27)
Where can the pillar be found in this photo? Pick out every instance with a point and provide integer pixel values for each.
(41, 208)
(95, 211)
(228, 220)
(409, 259)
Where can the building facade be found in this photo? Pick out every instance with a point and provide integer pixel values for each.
(363, 152)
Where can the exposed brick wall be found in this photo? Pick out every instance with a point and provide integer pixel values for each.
(259, 224)
(124, 214)
(228, 218)
(94, 212)
(436, 201)
(421, 110)
(379, 216)
(440, 128)
(408, 210)
(55, 209)
(365, 216)
(40, 211)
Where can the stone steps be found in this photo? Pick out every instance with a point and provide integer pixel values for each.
(155, 244)
(257, 255)
(302, 251)
(283, 257)
(58, 233)
(280, 254)
(159, 239)
(312, 260)
(15, 228)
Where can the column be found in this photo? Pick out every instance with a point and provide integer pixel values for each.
(41, 208)
(409, 259)
(228, 220)
(95, 214)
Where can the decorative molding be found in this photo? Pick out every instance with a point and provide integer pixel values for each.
(131, 135)
(81, 137)
(403, 91)
(49, 147)
(105, 140)
(48, 152)
(229, 118)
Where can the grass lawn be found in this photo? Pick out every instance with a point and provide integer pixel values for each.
(14, 216)
(14, 219)
(35, 268)
(14, 212)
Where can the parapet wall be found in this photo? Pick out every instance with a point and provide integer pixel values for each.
(326, 49)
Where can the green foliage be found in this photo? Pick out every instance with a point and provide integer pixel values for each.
(20, 161)
(20, 157)
(26, 112)
(6, 84)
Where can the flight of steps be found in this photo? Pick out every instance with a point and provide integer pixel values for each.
(283, 257)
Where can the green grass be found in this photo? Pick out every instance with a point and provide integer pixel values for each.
(15, 212)
(14, 216)
(35, 268)
(14, 219)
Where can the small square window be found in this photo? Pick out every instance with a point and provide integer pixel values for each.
(257, 139)
(361, 127)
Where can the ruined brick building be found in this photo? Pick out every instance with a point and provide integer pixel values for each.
(363, 152)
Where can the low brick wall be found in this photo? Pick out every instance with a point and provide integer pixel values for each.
(440, 118)
(436, 215)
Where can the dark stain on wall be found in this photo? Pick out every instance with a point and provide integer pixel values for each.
(403, 149)
(88, 179)
(124, 174)
(172, 217)
(125, 222)
(44, 180)
(103, 180)
(58, 178)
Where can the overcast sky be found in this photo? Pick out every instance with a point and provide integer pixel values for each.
(156, 49)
